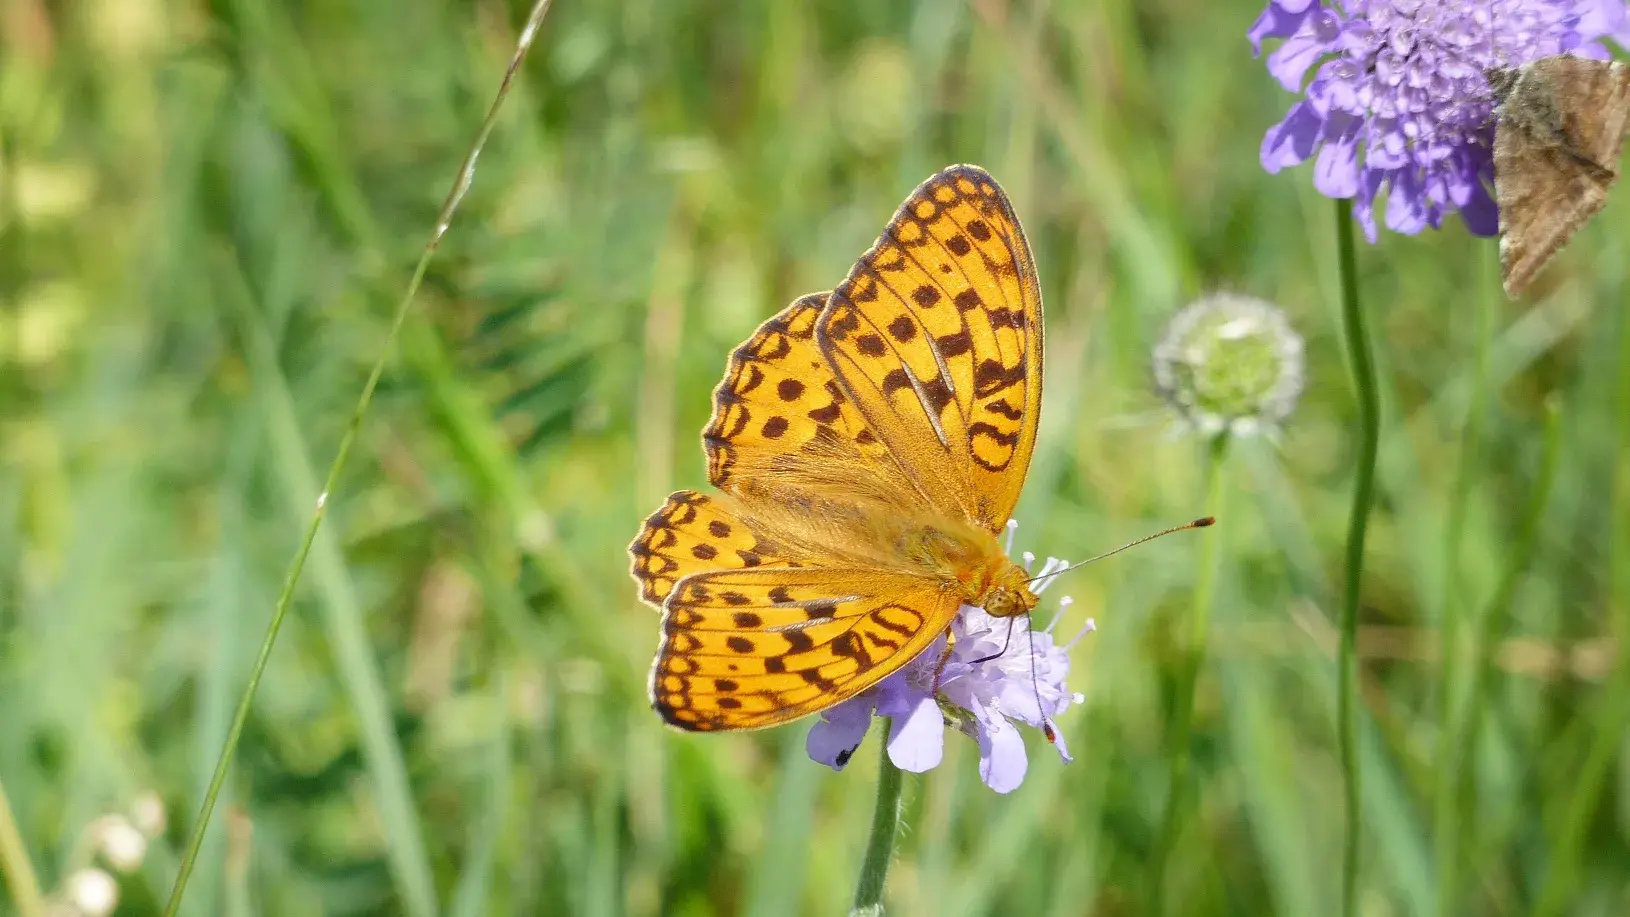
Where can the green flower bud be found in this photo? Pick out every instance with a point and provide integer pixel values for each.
(1230, 364)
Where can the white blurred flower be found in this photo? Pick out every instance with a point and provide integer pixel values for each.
(92, 891)
(147, 812)
(118, 841)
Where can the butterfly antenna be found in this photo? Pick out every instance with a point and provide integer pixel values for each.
(1196, 524)
(1035, 685)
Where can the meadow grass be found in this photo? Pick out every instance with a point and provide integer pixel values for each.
(209, 211)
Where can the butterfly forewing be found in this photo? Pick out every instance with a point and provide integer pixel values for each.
(935, 336)
(744, 649)
(777, 397)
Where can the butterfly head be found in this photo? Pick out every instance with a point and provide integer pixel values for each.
(1009, 593)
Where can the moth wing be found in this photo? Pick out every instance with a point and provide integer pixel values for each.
(1593, 98)
(1544, 195)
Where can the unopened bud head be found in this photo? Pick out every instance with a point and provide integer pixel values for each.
(1230, 363)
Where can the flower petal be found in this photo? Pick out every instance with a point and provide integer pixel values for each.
(1290, 63)
(834, 738)
(1479, 212)
(1335, 174)
(963, 692)
(897, 695)
(1058, 743)
(1594, 50)
(1385, 146)
(1291, 141)
(1016, 698)
(1002, 761)
(1604, 17)
(917, 740)
(1364, 202)
(1275, 22)
(1406, 210)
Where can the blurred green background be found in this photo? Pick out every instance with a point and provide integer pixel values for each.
(209, 209)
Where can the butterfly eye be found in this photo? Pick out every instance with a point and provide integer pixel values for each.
(1001, 603)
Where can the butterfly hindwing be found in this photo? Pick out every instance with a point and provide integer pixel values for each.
(692, 533)
(936, 337)
(744, 649)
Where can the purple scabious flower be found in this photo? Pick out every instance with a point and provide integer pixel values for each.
(1398, 102)
(989, 684)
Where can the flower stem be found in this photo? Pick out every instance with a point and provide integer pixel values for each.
(1362, 366)
(880, 846)
(14, 862)
(461, 184)
(1194, 657)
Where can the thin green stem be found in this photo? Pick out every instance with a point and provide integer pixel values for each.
(1446, 817)
(1611, 716)
(461, 184)
(874, 869)
(14, 862)
(1362, 366)
(1199, 623)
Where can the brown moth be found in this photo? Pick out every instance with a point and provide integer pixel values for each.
(1559, 129)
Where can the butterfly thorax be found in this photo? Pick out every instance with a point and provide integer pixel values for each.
(971, 562)
(962, 556)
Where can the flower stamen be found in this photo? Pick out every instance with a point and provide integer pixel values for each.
(1064, 603)
(1086, 628)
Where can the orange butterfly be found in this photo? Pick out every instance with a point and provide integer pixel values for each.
(868, 446)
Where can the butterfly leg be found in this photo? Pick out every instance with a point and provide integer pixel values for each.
(945, 657)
